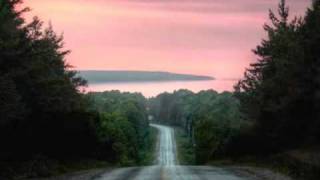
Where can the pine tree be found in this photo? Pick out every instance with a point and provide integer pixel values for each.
(39, 94)
(310, 38)
(268, 92)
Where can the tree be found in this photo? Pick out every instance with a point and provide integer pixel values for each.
(278, 91)
(310, 38)
(123, 129)
(38, 91)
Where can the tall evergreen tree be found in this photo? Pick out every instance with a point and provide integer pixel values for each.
(270, 92)
(39, 94)
(310, 38)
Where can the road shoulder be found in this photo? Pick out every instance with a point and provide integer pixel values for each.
(257, 173)
(81, 175)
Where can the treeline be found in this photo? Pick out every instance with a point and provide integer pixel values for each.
(211, 120)
(45, 120)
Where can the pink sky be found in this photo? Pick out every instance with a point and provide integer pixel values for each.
(209, 37)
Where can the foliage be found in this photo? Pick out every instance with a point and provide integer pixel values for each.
(40, 101)
(123, 125)
(280, 92)
(185, 148)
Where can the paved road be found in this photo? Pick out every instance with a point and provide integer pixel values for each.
(167, 167)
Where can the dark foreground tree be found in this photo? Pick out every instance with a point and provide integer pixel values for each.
(39, 94)
(278, 92)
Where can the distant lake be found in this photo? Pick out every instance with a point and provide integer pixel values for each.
(150, 89)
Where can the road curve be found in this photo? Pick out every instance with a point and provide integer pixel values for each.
(167, 167)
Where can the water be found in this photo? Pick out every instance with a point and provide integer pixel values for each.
(150, 89)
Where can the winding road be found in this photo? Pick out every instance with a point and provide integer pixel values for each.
(167, 167)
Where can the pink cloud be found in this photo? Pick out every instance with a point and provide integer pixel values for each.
(201, 37)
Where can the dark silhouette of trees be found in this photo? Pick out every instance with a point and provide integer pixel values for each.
(279, 91)
(40, 96)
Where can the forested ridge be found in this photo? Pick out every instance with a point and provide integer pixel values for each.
(138, 76)
(47, 125)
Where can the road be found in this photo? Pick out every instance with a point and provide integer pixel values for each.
(167, 167)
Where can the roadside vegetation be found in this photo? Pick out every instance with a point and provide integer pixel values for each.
(272, 118)
(150, 152)
(47, 125)
(185, 148)
(123, 127)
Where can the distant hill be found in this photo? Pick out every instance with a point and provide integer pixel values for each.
(138, 76)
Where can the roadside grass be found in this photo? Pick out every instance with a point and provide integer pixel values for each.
(185, 150)
(86, 164)
(298, 164)
(42, 166)
(148, 154)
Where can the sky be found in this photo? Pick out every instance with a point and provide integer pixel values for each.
(207, 37)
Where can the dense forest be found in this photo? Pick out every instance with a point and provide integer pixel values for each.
(45, 119)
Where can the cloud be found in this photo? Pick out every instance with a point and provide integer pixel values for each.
(211, 6)
(189, 36)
